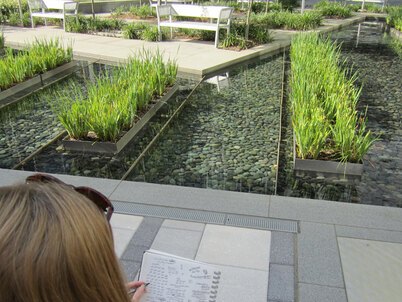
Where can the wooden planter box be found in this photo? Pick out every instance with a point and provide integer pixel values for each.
(5, 95)
(114, 148)
(326, 168)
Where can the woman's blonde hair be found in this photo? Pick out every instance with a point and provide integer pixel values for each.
(55, 245)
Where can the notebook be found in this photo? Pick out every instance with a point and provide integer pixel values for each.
(176, 279)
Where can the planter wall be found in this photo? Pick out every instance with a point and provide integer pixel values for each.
(114, 148)
(325, 168)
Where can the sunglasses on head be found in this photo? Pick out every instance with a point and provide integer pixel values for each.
(95, 196)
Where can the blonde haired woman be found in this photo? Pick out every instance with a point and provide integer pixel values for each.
(56, 245)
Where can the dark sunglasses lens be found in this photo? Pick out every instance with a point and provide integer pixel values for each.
(98, 198)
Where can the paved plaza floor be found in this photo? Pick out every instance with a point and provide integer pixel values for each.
(270, 248)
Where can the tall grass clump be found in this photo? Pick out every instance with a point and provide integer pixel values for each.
(112, 101)
(394, 17)
(37, 58)
(323, 100)
(287, 20)
(333, 9)
(2, 40)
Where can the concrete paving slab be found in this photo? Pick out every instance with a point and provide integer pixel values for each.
(318, 257)
(183, 225)
(372, 269)
(121, 239)
(323, 211)
(240, 285)
(146, 232)
(128, 222)
(124, 227)
(370, 234)
(281, 283)
(193, 198)
(130, 269)
(12, 177)
(105, 186)
(282, 248)
(182, 243)
(318, 293)
(234, 246)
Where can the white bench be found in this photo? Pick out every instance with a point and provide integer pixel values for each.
(382, 2)
(155, 3)
(52, 9)
(219, 17)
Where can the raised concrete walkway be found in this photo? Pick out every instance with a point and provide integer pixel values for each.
(196, 58)
(338, 252)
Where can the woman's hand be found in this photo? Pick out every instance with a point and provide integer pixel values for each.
(140, 290)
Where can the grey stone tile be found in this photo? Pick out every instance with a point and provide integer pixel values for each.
(183, 243)
(248, 248)
(281, 283)
(121, 238)
(332, 212)
(282, 248)
(193, 198)
(147, 231)
(372, 269)
(106, 186)
(317, 293)
(11, 177)
(130, 269)
(183, 225)
(142, 239)
(134, 252)
(369, 234)
(124, 221)
(318, 256)
(242, 285)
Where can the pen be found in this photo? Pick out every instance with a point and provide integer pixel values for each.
(133, 290)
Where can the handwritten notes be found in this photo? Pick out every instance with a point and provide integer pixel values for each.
(177, 279)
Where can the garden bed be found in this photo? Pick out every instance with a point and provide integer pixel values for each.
(116, 147)
(36, 80)
(325, 168)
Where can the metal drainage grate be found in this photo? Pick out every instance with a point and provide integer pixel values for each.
(272, 224)
(206, 217)
(168, 213)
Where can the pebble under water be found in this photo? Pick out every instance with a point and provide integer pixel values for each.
(227, 135)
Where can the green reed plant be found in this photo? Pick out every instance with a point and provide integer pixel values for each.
(333, 9)
(112, 102)
(394, 17)
(134, 30)
(324, 99)
(2, 40)
(143, 11)
(39, 57)
(288, 20)
(10, 7)
(396, 45)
